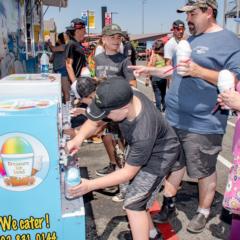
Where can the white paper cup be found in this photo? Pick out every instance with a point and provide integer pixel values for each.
(182, 56)
(183, 53)
(225, 81)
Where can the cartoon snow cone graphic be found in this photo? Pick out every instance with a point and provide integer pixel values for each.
(2, 170)
(17, 156)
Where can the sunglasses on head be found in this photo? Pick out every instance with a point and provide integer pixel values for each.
(79, 26)
(192, 2)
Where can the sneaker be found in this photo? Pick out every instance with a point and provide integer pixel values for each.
(165, 215)
(87, 140)
(106, 170)
(126, 235)
(197, 224)
(96, 140)
(157, 237)
(167, 212)
(118, 198)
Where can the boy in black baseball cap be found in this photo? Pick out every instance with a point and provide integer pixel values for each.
(152, 149)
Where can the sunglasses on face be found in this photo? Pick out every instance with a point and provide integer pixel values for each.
(178, 29)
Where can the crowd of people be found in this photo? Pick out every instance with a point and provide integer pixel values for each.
(157, 148)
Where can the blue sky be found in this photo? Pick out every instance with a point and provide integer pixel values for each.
(159, 14)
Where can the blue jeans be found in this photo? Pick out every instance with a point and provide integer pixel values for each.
(159, 88)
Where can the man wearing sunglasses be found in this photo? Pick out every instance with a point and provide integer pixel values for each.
(190, 101)
(178, 29)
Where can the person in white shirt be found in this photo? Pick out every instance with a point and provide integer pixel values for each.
(178, 29)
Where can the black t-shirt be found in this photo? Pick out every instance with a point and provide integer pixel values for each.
(112, 66)
(153, 144)
(130, 52)
(74, 51)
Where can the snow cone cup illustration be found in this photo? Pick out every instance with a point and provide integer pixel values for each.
(17, 157)
(37, 164)
(2, 170)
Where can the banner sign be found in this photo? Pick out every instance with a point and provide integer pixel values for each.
(108, 18)
(91, 19)
(84, 17)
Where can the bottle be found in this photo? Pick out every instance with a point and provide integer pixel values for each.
(72, 178)
(44, 62)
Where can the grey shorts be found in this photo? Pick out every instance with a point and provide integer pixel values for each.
(200, 152)
(142, 191)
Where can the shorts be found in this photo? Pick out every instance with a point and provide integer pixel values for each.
(142, 191)
(78, 120)
(62, 71)
(200, 152)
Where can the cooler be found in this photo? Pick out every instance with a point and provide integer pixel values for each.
(31, 186)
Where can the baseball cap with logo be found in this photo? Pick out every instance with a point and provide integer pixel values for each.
(112, 29)
(76, 23)
(194, 4)
(178, 23)
(111, 94)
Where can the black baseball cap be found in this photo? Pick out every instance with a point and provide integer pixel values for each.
(111, 94)
(178, 23)
(76, 23)
(85, 86)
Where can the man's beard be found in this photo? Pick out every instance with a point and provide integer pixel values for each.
(192, 28)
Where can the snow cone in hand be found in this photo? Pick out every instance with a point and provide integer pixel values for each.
(17, 157)
(225, 81)
(183, 53)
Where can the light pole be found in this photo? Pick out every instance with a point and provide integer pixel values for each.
(143, 3)
(112, 15)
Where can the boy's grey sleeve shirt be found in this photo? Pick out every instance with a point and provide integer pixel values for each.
(128, 73)
(140, 152)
